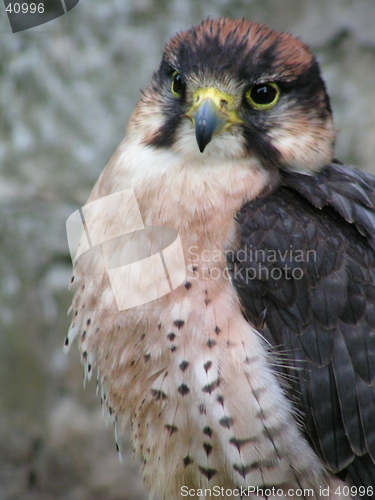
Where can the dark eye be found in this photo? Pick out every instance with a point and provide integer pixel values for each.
(263, 96)
(178, 85)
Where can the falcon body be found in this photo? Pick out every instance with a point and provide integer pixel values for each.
(257, 371)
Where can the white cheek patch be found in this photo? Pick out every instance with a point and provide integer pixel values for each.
(305, 151)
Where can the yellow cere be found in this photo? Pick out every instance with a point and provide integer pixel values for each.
(224, 103)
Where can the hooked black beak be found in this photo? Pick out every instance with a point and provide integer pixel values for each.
(213, 111)
(207, 120)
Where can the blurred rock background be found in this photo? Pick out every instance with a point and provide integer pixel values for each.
(67, 89)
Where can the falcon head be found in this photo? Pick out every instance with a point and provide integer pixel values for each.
(237, 89)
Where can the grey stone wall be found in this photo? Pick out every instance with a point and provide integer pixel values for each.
(66, 92)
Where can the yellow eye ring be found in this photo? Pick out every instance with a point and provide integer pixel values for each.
(178, 85)
(263, 96)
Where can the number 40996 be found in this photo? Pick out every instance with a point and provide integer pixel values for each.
(25, 8)
(355, 491)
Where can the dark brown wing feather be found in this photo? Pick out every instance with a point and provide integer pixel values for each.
(305, 273)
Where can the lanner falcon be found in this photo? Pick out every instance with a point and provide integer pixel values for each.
(256, 375)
